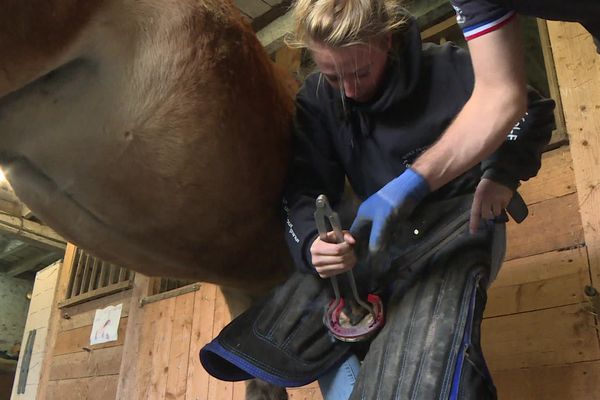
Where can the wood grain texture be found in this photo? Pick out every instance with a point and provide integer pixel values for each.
(578, 71)
(556, 336)
(96, 388)
(573, 381)
(555, 179)
(202, 331)
(86, 364)
(552, 279)
(180, 347)
(553, 224)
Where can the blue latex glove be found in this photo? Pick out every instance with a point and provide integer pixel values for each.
(403, 194)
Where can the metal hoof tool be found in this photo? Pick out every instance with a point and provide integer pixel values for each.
(348, 320)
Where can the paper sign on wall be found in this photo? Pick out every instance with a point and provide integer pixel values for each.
(106, 325)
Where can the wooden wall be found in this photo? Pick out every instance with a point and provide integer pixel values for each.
(165, 346)
(78, 370)
(74, 369)
(539, 334)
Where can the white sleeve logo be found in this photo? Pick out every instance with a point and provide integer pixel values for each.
(460, 17)
(514, 132)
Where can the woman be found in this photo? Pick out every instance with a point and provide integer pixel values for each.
(378, 101)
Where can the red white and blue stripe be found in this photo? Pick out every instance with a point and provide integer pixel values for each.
(482, 28)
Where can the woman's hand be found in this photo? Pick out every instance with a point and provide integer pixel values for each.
(330, 258)
(491, 198)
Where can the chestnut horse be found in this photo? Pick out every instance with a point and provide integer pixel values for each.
(153, 133)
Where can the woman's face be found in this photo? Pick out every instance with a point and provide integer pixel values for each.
(357, 69)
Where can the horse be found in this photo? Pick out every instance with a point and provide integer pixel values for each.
(154, 134)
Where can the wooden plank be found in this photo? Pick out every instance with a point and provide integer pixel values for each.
(437, 28)
(220, 390)
(162, 339)
(555, 179)
(60, 293)
(93, 278)
(560, 133)
(555, 336)
(74, 340)
(103, 270)
(76, 286)
(271, 36)
(578, 72)
(239, 391)
(87, 270)
(541, 281)
(273, 14)
(128, 375)
(552, 225)
(145, 354)
(152, 358)
(252, 8)
(202, 331)
(573, 382)
(180, 347)
(111, 274)
(31, 232)
(96, 388)
(171, 293)
(94, 294)
(83, 314)
(86, 364)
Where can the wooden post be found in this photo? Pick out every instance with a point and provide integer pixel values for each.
(578, 71)
(127, 373)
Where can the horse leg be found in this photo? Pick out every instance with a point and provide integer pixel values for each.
(237, 302)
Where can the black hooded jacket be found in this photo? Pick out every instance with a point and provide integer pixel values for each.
(424, 88)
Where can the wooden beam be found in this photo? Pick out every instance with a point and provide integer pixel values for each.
(437, 28)
(171, 293)
(33, 262)
(252, 8)
(94, 294)
(271, 36)
(31, 232)
(10, 207)
(128, 375)
(560, 134)
(271, 15)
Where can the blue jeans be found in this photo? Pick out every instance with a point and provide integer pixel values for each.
(338, 383)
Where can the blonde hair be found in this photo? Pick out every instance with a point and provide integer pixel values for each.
(339, 23)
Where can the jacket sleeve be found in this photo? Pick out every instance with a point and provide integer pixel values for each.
(315, 170)
(519, 157)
